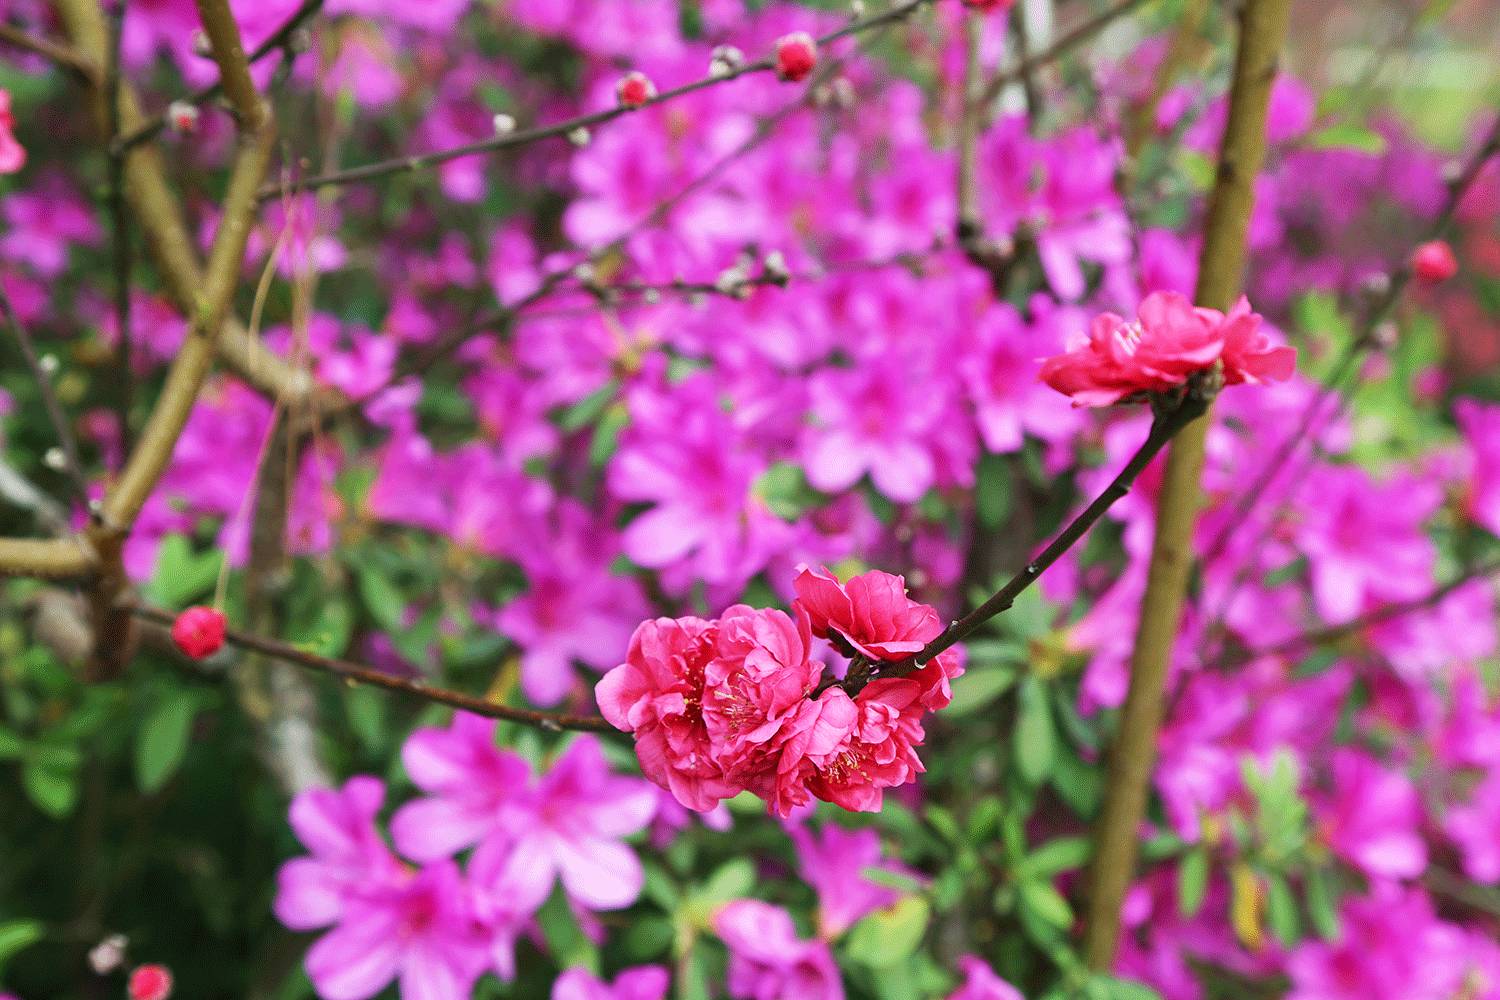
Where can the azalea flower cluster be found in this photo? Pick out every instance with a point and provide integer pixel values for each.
(735, 704)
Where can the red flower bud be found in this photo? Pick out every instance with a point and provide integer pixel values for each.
(199, 633)
(989, 6)
(1434, 263)
(183, 117)
(796, 55)
(634, 90)
(151, 982)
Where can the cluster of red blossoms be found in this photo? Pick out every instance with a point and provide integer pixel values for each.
(1170, 340)
(729, 705)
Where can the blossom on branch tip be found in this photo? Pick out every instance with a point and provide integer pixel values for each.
(1170, 340)
(199, 632)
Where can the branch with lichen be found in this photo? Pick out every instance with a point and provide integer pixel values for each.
(1263, 25)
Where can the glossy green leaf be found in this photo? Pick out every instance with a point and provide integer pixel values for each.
(162, 740)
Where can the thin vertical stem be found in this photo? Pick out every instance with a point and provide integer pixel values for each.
(1263, 26)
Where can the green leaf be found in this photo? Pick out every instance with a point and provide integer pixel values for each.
(1035, 733)
(1060, 855)
(1320, 904)
(381, 597)
(890, 934)
(888, 879)
(11, 744)
(367, 716)
(162, 740)
(588, 409)
(1192, 881)
(731, 880)
(978, 689)
(565, 939)
(1039, 896)
(1281, 910)
(607, 434)
(784, 489)
(51, 783)
(1348, 135)
(181, 574)
(992, 491)
(1124, 989)
(17, 935)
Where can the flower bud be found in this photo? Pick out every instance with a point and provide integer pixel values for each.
(503, 124)
(579, 137)
(726, 59)
(183, 117)
(150, 982)
(634, 90)
(796, 55)
(199, 633)
(1433, 263)
(108, 955)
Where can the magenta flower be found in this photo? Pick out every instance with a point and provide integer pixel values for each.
(768, 961)
(421, 931)
(657, 694)
(1480, 425)
(1000, 376)
(1372, 817)
(475, 789)
(759, 677)
(348, 853)
(576, 819)
(643, 982)
(12, 156)
(43, 223)
(981, 983)
(1170, 340)
(834, 862)
(1473, 827)
(871, 613)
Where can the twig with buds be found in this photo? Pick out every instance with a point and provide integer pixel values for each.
(358, 674)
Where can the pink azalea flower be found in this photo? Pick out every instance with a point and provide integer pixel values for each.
(1480, 425)
(1169, 341)
(475, 789)
(1372, 817)
(577, 817)
(1000, 376)
(12, 156)
(871, 613)
(421, 931)
(657, 694)
(834, 862)
(348, 853)
(768, 961)
(981, 983)
(1391, 946)
(643, 982)
(42, 224)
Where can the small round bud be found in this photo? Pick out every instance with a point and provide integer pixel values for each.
(1434, 263)
(48, 364)
(108, 955)
(584, 272)
(1384, 335)
(150, 982)
(1451, 172)
(579, 137)
(299, 41)
(55, 459)
(199, 633)
(201, 45)
(724, 60)
(856, 8)
(634, 90)
(183, 117)
(775, 264)
(796, 55)
(989, 6)
(503, 124)
(651, 296)
(1376, 284)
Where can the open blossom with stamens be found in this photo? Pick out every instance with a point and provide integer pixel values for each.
(727, 706)
(1170, 340)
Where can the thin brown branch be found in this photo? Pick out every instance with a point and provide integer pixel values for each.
(1354, 626)
(57, 52)
(512, 140)
(359, 674)
(1187, 408)
(1065, 43)
(60, 426)
(159, 214)
(1263, 25)
(1346, 368)
(280, 39)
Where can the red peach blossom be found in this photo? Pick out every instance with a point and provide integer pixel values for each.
(871, 612)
